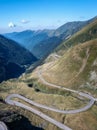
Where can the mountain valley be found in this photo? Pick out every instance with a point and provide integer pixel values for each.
(62, 71)
(13, 57)
(37, 42)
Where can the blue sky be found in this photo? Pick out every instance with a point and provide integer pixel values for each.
(17, 15)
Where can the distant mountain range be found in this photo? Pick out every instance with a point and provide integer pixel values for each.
(30, 39)
(42, 42)
(72, 64)
(12, 58)
(68, 29)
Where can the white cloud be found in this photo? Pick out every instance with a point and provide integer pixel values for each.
(24, 21)
(11, 25)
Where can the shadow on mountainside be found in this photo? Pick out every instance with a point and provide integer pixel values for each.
(15, 121)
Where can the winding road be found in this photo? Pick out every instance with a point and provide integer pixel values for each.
(3, 126)
(10, 101)
(89, 105)
(42, 115)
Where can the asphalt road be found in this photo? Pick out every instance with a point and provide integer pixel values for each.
(3, 126)
(89, 105)
(42, 115)
(53, 85)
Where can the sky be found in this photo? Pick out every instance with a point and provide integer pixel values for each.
(18, 15)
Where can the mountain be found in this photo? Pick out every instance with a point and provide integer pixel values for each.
(12, 58)
(15, 52)
(37, 42)
(29, 39)
(89, 32)
(67, 30)
(77, 67)
(44, 48)
(20, 37)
